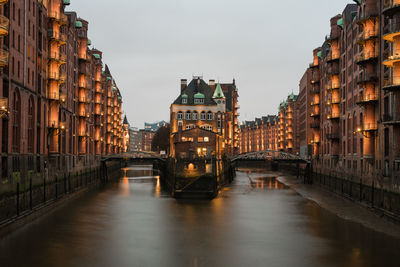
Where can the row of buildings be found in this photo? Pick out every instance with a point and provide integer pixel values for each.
(60, 106)
(141, 139)
(347, 114)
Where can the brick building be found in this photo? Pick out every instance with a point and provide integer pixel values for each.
(346, 117)
(259, 135)
(59, 109)
(212, 108)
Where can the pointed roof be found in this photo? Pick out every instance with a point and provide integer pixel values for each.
(125, 120)
(218, 93)
(197, 88)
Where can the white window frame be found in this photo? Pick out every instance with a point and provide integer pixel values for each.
(184, 100)
(179, 115)
(195, 116)
(199, 101)
(203, 118)
(188, 116)
(210, 116)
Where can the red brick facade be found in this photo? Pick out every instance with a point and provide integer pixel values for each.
(60, 109)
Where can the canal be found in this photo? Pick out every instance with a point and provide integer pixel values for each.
(255, 222)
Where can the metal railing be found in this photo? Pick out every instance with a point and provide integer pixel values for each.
(391, 82)
(362, 78)
(3, 57)
(363, 98)
(332, 86)
(57, 36)
(369, 126)
(364, 56)
(388, 4)
(4, 25)
(333, 116)
(332, 56)
(367, 34)
(53, 96)
(391, 117)
(53, 124)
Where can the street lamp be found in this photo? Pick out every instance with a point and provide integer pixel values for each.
(3, 107)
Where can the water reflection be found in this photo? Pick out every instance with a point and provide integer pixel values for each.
(256, 221)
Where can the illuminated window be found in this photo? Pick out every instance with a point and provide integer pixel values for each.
(200, 139)
(206, 139)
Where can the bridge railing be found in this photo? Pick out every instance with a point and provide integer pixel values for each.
(270, 155)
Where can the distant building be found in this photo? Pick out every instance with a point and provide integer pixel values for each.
(125, 135)
(135, 139)
(153, 127)
(146, 139)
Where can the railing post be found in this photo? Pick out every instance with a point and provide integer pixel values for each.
(17, 199)
(372, 194)
(44, 189)
(30, 194)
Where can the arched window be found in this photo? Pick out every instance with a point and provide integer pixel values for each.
(16, 121)
(210, 116)
(188, 115)
(195, 116)
(31, 132)
(203, 116)
(180, 115)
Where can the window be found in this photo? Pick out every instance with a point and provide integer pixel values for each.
(210, 116)
(190, 126)
(180, 123)
(203, 116)
(199, 101)
(184, 100)
(200, 139)
(180, 115)
(188, 115)
(206, 139)
(194, 116)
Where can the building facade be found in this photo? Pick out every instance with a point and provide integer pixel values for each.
(204, 109)
(347, 115)
(60, 110)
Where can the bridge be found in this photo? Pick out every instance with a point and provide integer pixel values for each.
(134, 156)
(277, 156)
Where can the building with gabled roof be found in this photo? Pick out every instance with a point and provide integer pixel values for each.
(204, 106)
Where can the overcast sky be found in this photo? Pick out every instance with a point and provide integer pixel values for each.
(150, 45)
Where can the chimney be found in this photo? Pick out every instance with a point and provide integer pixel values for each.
(212, 84)
(183, 84)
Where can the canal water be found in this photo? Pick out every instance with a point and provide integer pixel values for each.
(255, 222)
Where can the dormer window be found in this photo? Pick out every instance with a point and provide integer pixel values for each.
(184, 99)
(199, 98)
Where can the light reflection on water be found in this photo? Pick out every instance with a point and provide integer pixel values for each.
(256, 221)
